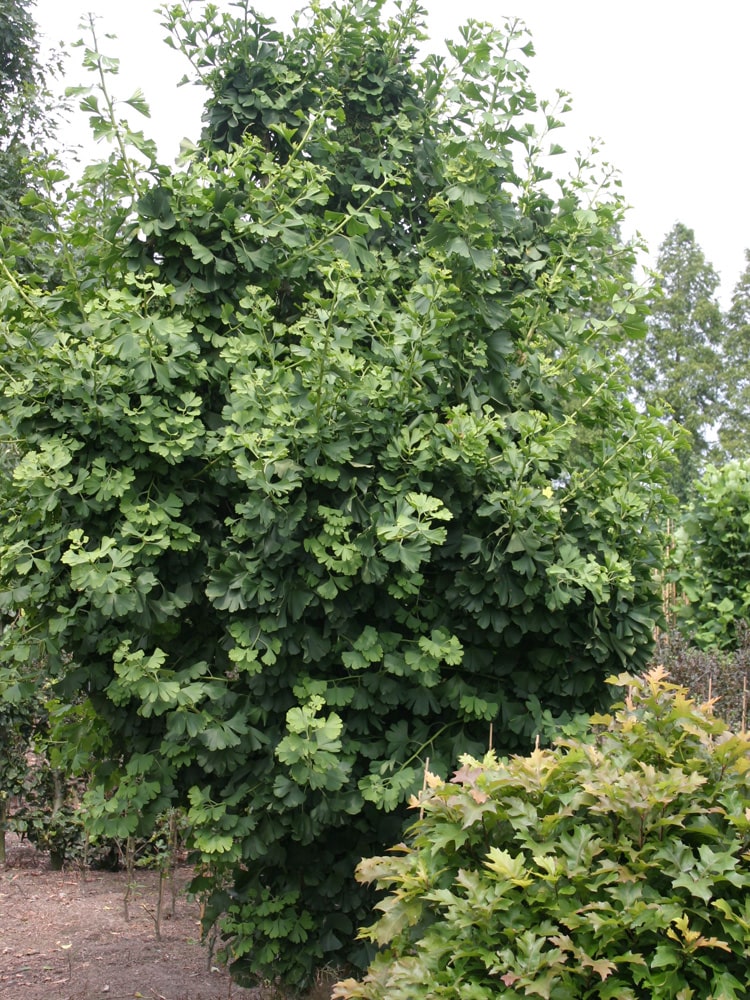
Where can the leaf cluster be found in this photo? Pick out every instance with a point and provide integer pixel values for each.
(613, 865)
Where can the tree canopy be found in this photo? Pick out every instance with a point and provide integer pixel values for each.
(326, 462)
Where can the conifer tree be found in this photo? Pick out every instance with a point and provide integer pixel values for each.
(678, 365)
(734, 432)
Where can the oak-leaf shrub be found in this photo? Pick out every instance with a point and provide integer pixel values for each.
(613, 865)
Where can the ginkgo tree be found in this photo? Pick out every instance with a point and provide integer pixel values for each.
(326, 462)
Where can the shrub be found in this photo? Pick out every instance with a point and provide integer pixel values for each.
(710, 558)
(717, 674)
(610, 866)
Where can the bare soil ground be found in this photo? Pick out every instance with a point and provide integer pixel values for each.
(64, 936)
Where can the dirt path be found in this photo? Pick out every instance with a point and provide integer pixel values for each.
(63, 936)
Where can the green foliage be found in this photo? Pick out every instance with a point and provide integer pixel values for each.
(710, 557)
(19, 716)
(49, 816)
(326, 462)
(36, 800)
(679, 363)
(19, 712)
(614, 866)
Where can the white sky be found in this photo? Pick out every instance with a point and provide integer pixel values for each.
(664, 83)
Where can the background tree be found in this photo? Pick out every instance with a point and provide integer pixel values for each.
(679, 362)
(734, 431)
(26, 106)
(19, 76)
(326, 460)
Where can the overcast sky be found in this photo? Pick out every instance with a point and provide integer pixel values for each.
(664, 83)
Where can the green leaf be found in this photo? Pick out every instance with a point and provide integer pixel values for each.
(138, 103)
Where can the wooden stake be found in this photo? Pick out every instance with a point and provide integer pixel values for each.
(744, 704)
(424, 784)
(492, 739)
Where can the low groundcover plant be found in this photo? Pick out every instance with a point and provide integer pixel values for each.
(613, 865)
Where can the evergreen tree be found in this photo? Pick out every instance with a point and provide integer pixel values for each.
(734, 433)
(678, 365)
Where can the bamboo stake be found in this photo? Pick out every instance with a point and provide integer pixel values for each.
(744, 705)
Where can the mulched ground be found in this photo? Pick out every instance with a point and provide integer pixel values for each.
(64, 936)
